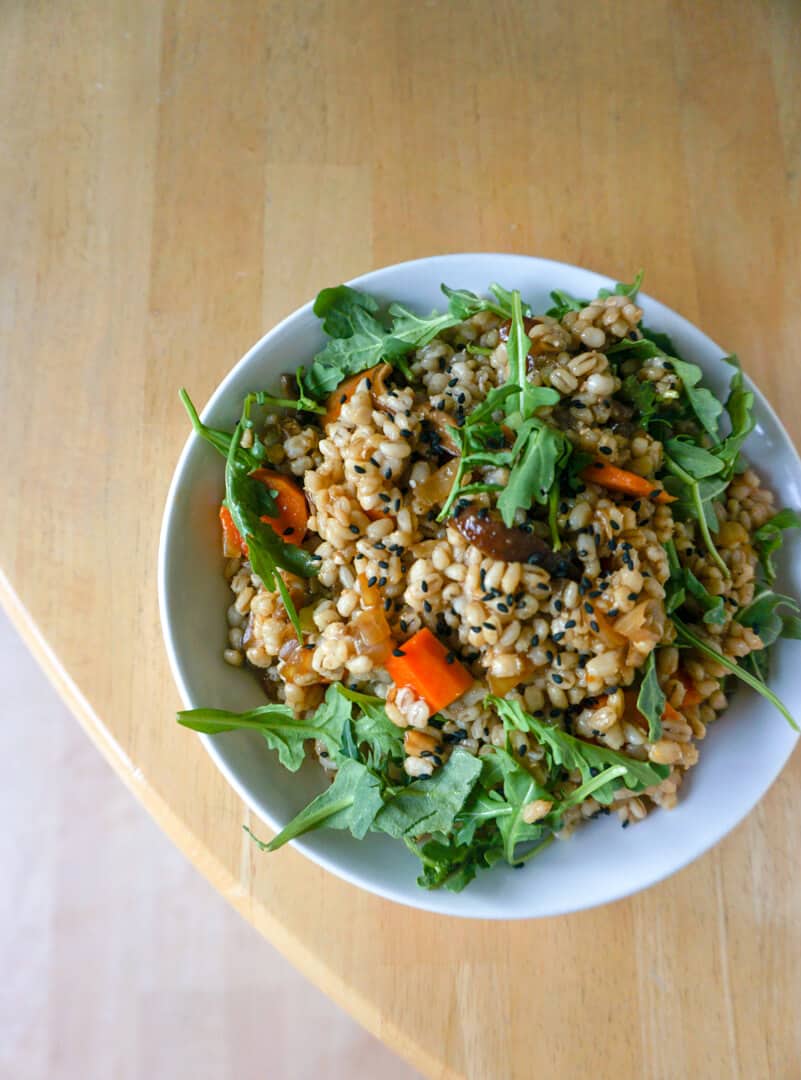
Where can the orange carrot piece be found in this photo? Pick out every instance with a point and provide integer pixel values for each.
(233, 544)
(624, 482)
(425, 665)
(669, 713)
(292, 519)
(691, 695)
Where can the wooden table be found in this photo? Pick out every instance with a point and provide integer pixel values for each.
(175, 178)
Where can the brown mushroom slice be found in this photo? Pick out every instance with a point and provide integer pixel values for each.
(441, 424)
(485, 529)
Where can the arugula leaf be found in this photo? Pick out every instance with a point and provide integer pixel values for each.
(267, 552)
(505, 298)
(373, 728)
(621, 289)
(739, 406)
(697, 461)
(363, 348)
(703, 402)
(448, 864)
(481, 808)
(414, 331)
(651, 699)
(687, 637)
(695, 500)
(791, 628)
(663, 341)
(675, 592)
(572, 753)
(537, 455)
(519, 789)
(431, 805)
(564, 302)
(712, 606)
(768, 539)
(277, 723)
(351, 802)
(762, 615)
(336, 307)
(220, 440)
(642, 396)
(463, 304)
(642, 349)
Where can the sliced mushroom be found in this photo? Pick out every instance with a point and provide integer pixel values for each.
(438, 430)
(486, 530)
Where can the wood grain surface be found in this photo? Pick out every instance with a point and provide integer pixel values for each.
(176, 176)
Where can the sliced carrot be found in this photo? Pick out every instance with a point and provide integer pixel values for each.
(624, 482)
(292, 519)
(346, 389)
(691, 695)
(425, 665)
(669, 713)
(233, 544)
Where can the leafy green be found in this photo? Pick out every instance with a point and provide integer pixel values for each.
(336, 307)
(687, 637)
(220, 440)
(642, 396)
(463, 304)
(431, 805)
(651, 699)
(519, 789)
(675, 588)
(277, 723)
(703, 402)
(768, 539)
(695, 499)
(712, 606)
(267, 552)
(351, 802)
(363, 348)
(413, 331)
(694, 459)
(621, 289)
(450, 865)
(373, 728)
(539, 452)
(739, 406)
(663, 342)
(566, 750)
(564, 302)
(763, 616)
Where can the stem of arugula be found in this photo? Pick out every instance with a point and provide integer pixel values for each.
(692, 483)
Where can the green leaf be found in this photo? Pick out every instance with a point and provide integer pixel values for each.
(642, 396)
(336, 307)
(663, 342)
(621, 289)
(687, 637)
(351, 802)
(712, 606)
(695, 500)
(695, 460)
(703, 402)
(675, 592)
(566, 750)
(519, 789)
(791, 627)
(363, 348)
(517, 347)
(739, 406)
(505, 298)
(481, 808)
(431, 805)
(373, 728)
(277, 723)
(414, 331)
(538, 453)
(220, 440)
(768, 539)
(450, 865)
(651, 699)
(762, 615)
(564, 302)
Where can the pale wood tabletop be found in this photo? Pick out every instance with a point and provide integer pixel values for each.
(175, 178)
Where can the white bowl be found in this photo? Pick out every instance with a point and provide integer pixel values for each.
(601, 862)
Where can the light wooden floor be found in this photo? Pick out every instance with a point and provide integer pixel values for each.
(119, 961)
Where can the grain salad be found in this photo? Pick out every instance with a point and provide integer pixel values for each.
(496, 571)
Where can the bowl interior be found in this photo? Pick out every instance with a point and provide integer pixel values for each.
(601, 862)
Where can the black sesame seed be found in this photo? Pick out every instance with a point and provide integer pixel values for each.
(595, 627)
(406, 433)
(503, 608)
(424, 586)
(426, 607)
(557, 678)
(535, 640)
(633, 595)
(382, 582)
(557, 637)
(613, 612)
(289, 530)
(554, 713)
(614, 524)
(403, 625)
(354, 529)
(626, 824)
(359, 469)
(605, 449)
(449, 659)
(388, 604)
(371, 581)
(595, 593)
(521, 749)
(588, 607)
(383, 564)
(558, 605)
(398, 652)
(570, 624)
